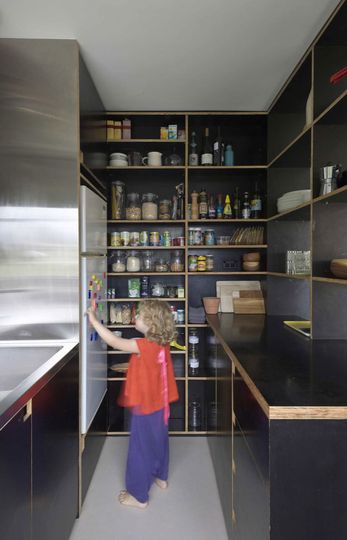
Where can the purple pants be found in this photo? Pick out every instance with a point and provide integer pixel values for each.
(148, 453)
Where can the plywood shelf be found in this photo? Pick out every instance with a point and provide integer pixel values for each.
(288, 276)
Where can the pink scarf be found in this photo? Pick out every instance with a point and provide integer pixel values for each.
(165, 389)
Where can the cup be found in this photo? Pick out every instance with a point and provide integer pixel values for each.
(135, 159)
(153, 159)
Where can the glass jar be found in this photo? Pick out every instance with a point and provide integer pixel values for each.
(126, 314)
(118, 261)
(202, 263)
(192, 263)
(209, 263)
(177, 264)
(161, 265)
(165, 209)
(133, 209)
(171, 291)
(194, 416)
(149, 206)
(118, 199)
(147, 261)
(209, 237)
(133, 262)
(157, 289)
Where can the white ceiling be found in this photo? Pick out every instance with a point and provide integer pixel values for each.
(178, 54)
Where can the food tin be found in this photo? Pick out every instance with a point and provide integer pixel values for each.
(134, 239)
(178, 241)
(116, 239)
(180, 316)
(197, 237)
(209, 237)
(202, 263)
(144, 238)
(209, 263)
(125, 238)
(192, 263)
(154, 238)
(166, 239)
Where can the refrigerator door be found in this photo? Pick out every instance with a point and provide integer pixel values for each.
(93, 233)
(93, 349)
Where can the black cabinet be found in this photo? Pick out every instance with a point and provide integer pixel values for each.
(15, 478)
(55, 450)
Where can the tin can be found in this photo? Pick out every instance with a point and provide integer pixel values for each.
(116, 239)
(192, 263)
(197, 238)
(154, 238)
(125, 238)
(209, 263)
(134, 239)
(174, 313)
(144, 238)
(209, 237)
(178, 241)
(166, 239)
(180, 316)
(202, 263)
(145, 287)
(191, 236)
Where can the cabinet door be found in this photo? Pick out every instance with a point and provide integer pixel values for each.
(55, 455)
(15, 478)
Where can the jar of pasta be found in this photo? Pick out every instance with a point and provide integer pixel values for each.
(177, 264)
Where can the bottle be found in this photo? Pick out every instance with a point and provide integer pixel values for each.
(246, 207)
(229, 156)
(219, 206)
(193, 353)
(203, 204)
(207, 156)
(237, 204)
(194, 415)
(211, 207)
(218, 150)
(180, 201)
(256, 204)
(195, 206)
(227, 211)
(193, 159)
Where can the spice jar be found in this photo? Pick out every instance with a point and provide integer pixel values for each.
(192, 263)
(161, 265)
(133, 209)
(202, 263)
(133, 262)
(157, 289)
(165, 209)
(171, 291)
(147, 261)
(116, 239)
(118, 261)
(177, 264)
(118, 199)
(149, 206)
(209, 263)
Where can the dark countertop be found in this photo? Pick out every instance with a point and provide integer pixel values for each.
(290, 375)
(25, 367)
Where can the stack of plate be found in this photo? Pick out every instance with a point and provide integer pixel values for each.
(292, 199)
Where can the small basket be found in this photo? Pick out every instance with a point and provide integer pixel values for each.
(211, 305)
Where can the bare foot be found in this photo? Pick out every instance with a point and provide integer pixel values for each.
(128, 500)
(163, 484)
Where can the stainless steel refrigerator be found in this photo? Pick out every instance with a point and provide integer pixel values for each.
(93, 242)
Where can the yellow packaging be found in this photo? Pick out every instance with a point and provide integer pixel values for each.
(110, 129)
(164, 133)
(117, 130)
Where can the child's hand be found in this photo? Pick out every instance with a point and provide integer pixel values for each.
(92, 315)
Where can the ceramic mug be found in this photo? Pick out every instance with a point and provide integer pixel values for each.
(153, 159)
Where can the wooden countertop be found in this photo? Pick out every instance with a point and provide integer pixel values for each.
(290, 376)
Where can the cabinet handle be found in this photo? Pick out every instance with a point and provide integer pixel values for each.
(29, 411)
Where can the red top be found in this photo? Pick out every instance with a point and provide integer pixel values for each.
(143, 387)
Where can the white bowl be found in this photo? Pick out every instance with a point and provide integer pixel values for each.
(118, 155)
(118, 163)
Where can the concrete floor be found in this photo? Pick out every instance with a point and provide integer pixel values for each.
(189, 509)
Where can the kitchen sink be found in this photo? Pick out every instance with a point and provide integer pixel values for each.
(28, 332)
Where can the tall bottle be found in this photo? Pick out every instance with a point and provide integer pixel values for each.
(219, 206)
(193, 353)
(246, 207)
(195, 205)
(218, 150)
(193, 159)
(256, 204)
(207, 156)
(211, 207)
(203, 204)
(227, 212)
(229, 156)
(237, 204)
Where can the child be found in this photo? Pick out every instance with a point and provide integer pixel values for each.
(149, 388)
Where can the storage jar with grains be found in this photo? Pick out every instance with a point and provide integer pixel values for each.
(133, 209)
(149, 206)
(161, 265)
(118, 261)
(177, 264)
(133, 262)
(118, 199)
(165, 209)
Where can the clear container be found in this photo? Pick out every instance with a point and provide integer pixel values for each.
(133, 262)
(133, 208)
(149, 206)
(157, 289)
(193, 353)
(177, 264)
(223, 240)
(161, 265)
(118, 261)
(147, 261)
(209, 263)
(194, 416)
(165, 209)
(126, 314)
(118, 199)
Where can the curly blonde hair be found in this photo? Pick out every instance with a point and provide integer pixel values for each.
(158, 317)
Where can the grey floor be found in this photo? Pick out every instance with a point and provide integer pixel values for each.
(189, 509)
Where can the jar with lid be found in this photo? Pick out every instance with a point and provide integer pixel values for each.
(118, 261)
(194, 415)
(209, 237)
(149, 206)
(161, 265)
(147, 261)
(165, 209)
(126, 314)
(209, 263)
(133, 262)
(133, 208)
(202, 263)
(192, 263)
(157, 289)
(193, 353)
(180, 316)
(177, 264)
(171, 291)
(118, 199)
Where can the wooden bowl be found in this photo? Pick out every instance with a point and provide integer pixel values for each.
(251, 257)
(252, 266)
(338, 267)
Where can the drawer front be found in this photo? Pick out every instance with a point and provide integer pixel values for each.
(253, 423)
